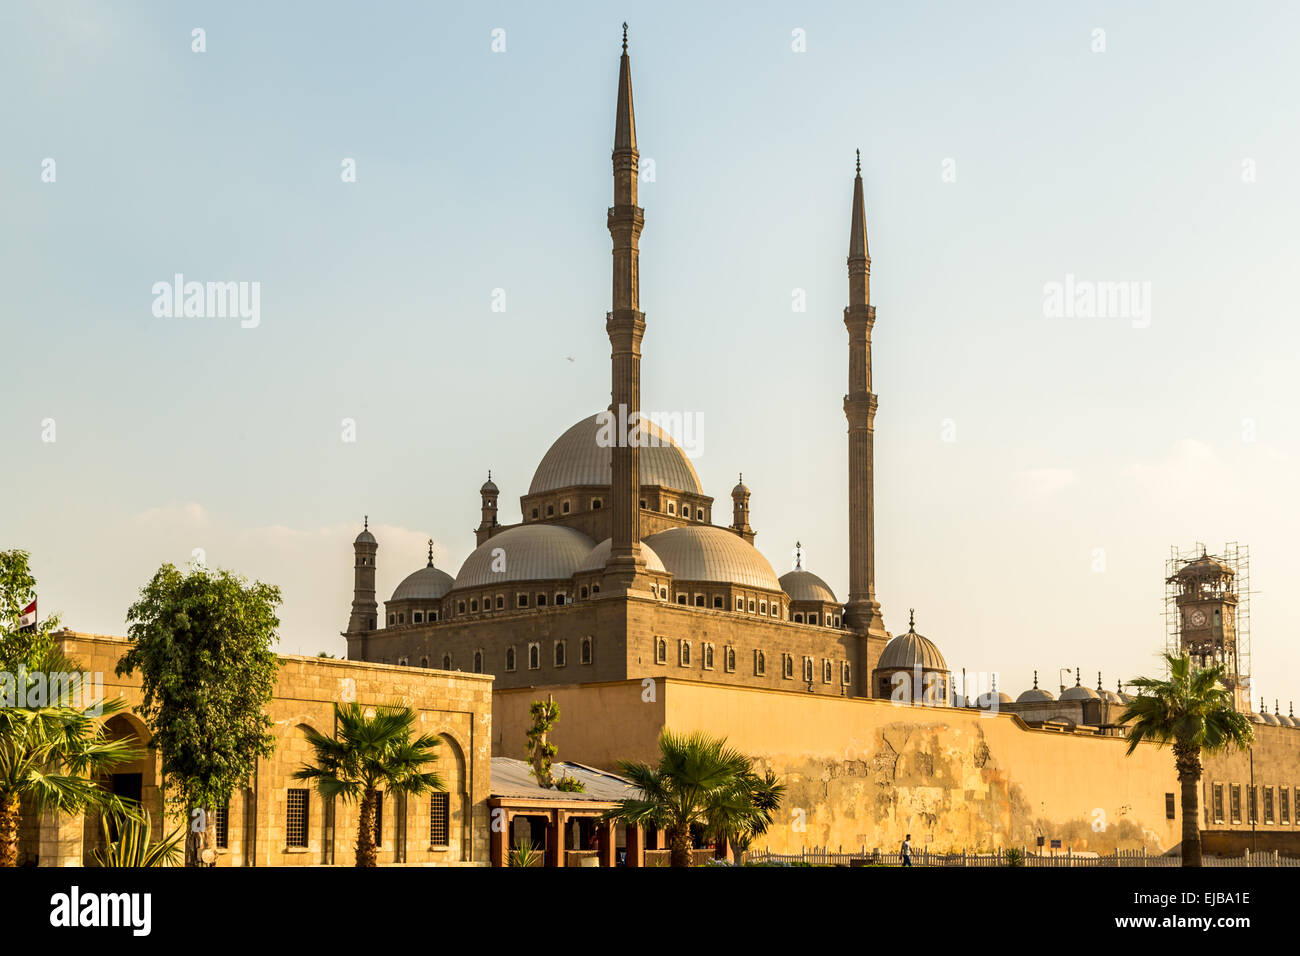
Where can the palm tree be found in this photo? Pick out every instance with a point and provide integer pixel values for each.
(127, 843)
(696, 775)
(1193, 710)
(52, 755)
(745, 811)
(367, 754)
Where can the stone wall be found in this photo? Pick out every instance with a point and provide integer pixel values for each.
(454, 707)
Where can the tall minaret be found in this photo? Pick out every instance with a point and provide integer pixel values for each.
(626, 325)
(862, 611)
(364, 609)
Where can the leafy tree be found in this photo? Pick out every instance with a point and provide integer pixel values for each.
(367, 754)
(1194, 712)
(51, 755)
(20, 648)
(541, 752)
(696, 774)
(202, 644)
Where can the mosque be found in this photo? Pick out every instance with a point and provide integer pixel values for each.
(618, 593)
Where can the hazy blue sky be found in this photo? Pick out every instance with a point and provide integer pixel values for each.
(1170, 159)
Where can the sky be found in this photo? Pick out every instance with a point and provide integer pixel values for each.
(1034, 465)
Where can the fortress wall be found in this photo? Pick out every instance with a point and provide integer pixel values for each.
(865, 772)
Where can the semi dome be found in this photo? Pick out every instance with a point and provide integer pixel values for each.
(427, 584)
(538, 552)
(910, 651)
(600, 555)
(803, 585)
(709, 553)
(577, 459)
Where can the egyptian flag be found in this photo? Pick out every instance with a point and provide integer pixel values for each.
(27, 619)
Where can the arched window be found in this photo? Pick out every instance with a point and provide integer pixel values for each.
(586, 650)
(401, 617)
(501, 601)
(424, 662)
(717, 601)
(681, 599)
(760, 663)
(798, 617)
(559, 653)
(541, 600)
(478, 662)
(661, 651)
(534, 656)
(510, 658)
(446, 662)
(731, 659)
(699, 600)
(473, 605)
(812, 618)
(416, 617)
(584, 592)
(460, 607)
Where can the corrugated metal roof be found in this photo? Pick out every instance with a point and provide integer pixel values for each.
(514, 778)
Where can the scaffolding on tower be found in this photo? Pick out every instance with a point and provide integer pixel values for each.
(1237, 557)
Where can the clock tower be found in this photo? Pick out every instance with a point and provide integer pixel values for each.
(1205, 595)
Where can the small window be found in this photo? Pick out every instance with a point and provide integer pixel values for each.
(1169, 806)
(699, 600)
(681, 599)
(392, 619)
(812, 618)
(501, 602)
(663, 593)
(296, 820)
(762, 607)
(708, 657)
(1268, 805)
(661, 651)
(401, 617)
(534, 656)
(446, 662)
(478, 662)
(440, 819)
(808, 669)
(837, 620)
(1235, 795)
(751, 606)
(541, 600)
(559, 599)
(787, 666)
(684, 653)
(845, 673)
(760, 663)
(221, 825)
(798, 618)
(586, 650)
(1284, 804)
(417, 617)
(559, 653)
(460, 607)
(510, 658)
(402, 661)
(535, 514)
(523, 600)
(595, 589)
(583, 592)
(643, 504)
(473, 605)
(550, 510)
(776, 609)
(564, 508)
(740, 604)
(828, 671)
(424, 662)
(1217, 802)
(729, 659)
(595, 504)
(672, 508)
(717, 601)
(699, 513)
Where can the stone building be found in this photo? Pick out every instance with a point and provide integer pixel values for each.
(279, 821)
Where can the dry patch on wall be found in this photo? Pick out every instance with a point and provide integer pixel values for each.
(941, 782)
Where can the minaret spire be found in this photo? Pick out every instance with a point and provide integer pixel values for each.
(625, 324)
(862, 611)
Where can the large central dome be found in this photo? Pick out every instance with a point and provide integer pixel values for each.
(577, 459)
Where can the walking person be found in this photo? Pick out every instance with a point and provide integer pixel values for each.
(907, 850)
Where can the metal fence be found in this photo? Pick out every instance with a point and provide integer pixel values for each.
(922, 857)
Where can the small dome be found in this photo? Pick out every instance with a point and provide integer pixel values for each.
(985, 700)
(803, 585)
(1078, 692)
(365, 537)
(1109, 696)
(1035, 694)
(1256, 718)
(1268, 718)
(538, 552)
(600, 555)
(1204, 567)
(709, 553)
(911, 650)
(1285, 721)
(489, 487)
(740, 491)
(427, 584)
(582, 457)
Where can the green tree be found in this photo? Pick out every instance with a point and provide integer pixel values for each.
(20, 648)
(202, 642)
(744, 810)
(51, 755)
(1194, 712)
(367, 754)
(696, 774)
(541, 752)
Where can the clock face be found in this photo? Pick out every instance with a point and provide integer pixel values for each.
(1197, 618)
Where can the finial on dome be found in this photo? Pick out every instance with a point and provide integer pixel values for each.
(430, 552)
(1098, 681)
(1035, 680)
(367, 523)
(798, 556)
(625, 37)
(489, 474)
(1077, 678)
(911, 619)
(859, 152)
